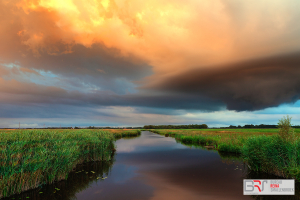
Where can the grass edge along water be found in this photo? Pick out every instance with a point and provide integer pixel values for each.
(274, 151)
(278, 154)
(224, 142)
(31, 158)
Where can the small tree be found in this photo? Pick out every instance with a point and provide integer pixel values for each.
(286, 132)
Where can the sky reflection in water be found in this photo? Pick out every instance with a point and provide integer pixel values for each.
(156, 167)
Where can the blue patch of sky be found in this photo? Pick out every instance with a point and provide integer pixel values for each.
(11, 65)
(47, 74)
(87, 87)
(48, 78)
(125, 86)
(291, 108)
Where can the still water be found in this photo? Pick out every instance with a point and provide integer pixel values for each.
(152, 167)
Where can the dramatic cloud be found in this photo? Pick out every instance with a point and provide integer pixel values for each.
(170, 35)
(160, 56)
(250, 85)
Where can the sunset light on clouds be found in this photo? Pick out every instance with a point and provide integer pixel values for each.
(131, 63)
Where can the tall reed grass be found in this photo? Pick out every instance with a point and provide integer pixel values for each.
(119, 133)
(81, 178)
(30, 158)
(278, 155)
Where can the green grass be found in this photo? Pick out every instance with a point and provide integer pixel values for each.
(78, 180)
(277, 154)
(119, 133)
(273, 155)
(264, 150)
(30, 158)
(224, 140)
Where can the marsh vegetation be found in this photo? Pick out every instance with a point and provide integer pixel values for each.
(36, 158)
(31, 158)
(274, 151)
(79, 179)
(150, 163)
(227, 140)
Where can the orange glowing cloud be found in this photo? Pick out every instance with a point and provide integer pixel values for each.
(171, 36)
(168, 34)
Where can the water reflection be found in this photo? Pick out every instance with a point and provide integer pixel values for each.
(175, 171)
(157, 168)
(80, 179)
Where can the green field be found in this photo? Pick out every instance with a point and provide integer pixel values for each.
(226, 140)
(30, 158)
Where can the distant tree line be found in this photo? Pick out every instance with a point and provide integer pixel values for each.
(256, 126)
(108, 127)
(203, 126)
(49, 128)
(90, 127)
(191, 126)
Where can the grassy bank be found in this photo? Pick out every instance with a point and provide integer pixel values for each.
(273, 155)
(30, 158)
(224, 140)
(265, 150)
(119, 133)
(81, 178)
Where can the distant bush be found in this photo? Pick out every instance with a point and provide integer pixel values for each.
(286, 132)
(191, 126)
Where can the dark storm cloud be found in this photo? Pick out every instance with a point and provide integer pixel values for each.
(45, 111)
(40, 99)
(249, 85)
(96, 65)
(174, 101)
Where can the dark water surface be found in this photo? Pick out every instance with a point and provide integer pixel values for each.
(156, 167)
(152, 167)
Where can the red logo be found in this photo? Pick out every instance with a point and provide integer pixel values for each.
(257, 185)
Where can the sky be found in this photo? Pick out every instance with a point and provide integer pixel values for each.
(135, 63)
